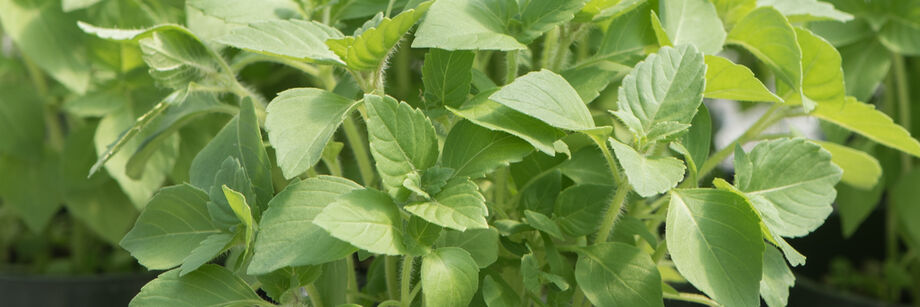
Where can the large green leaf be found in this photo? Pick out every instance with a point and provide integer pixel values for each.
(806, 10)
(402, 140)
(368, 219)
(693, 22)
(171, 226)
(31, 189)
(211, 285)
(663, 92)
(450, 277)
(241, 139)
(628, 36)
(300, 122)
(777, 278)
(790, 182)
(22, 120)
(473, 151)
(289, 237)
(822, 75)
(727, 80)
(715, 241)
(580, 208)
(459, 205)
(546, 96)
(447, 76)
(295, 39)
(369, 49)
(767, 34)
(482, 244)
(649, 176)
(468, 25)
(860, 169)
(213, 19)
(864, 119)
(495, 116)
(539, 16)
(618, 274)
(47, 36)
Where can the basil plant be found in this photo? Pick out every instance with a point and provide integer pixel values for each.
(489, 152)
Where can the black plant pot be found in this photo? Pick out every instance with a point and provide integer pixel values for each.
(67, 291)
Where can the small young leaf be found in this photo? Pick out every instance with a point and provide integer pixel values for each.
(715, 242)
(450, 277)
(402, 141)
(447, 76)
(468, 25)
(238, 203)
(731, 11)
(458, 206)
(546, 96)
(727, 80)
(211, 285)
(693, 22)
(473, 151)
(171, 226)
(296, 39)
(864, 119)
(617, 274)
(300, 123)
(368, 219)
(649, 176)
(368, 50)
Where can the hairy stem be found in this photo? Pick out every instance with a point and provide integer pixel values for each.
(406, 281)
(389, 265)
(613, 212)
(764, 122)
(511, 66)
(359, 148)
(313, 294)
(352, 281)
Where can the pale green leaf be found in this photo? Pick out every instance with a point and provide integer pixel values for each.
(727, 80)
(618, 274)
(666, 87)
(289, 237)
(237, 202)
(368, 219)
(790, 182)
(660, 34)
(459, 206)
(580, 208)
(294, 39)
(423, 235)
(543, 223)
(402, 141)
(693, 22)
(495, 116)
(859, 168)
(618, 8)
(731, 11)
(866, 120)
(767, 34)
(447, 76)
(777, 278)
(473, 151)
(546, 96)
(209, 248)
(370, 49)
(232, 175)
(213, 19)
(450, 277)
(822, 75)
(806, 10)
(171, 226)
(300, 123)
(482, 244)
(715, 241)
(211, 285)
(539, 16)
(73, 5)
(468, 25)
(649, 176)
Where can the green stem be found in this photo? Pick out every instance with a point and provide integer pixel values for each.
(900, 78)
(359, 148)
(550, 40)
(406, 281)
(613, 212)
(764, 122)
(691, 297)
(403, 73)
(608, 156)
(352, 281)
(511, 66)
(389, 265)
(313, 294)
(389, 8)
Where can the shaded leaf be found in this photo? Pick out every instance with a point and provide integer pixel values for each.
(617, 274)
(211, 285)
(473, 151)
(368, 219)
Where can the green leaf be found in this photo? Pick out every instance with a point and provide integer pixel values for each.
(539, 16)
(497, 293)
(370, 49)
(769, 36)
(211, 285)
(495, 116)
(903, 199)
(473, 151)
(242, 140)
(777, 278)
(540, 193)
(212, 19)
(543, 223)
(221, 210)
(293, 39)
(660, 34)
(628, 36)
(790, 182)
(731, 11)
(177, 58)
(238, 203)
(530, 273)
(23, 122)
(618, 8)
(368, 219)
(698, 139)
(727, 80)
(423, 235)
(859, 168)
(582, 167)
(580, 208)
(209, 248)
(899, 34)
(468, 25)
(666, 87)
(649, 176)
(43, 32)
(715, 242)
(806, 10)
(693, 22)
(283, 285)
(105, 210)
(482, 244)
(866, 120)
(822, 75)
(855, 205)
(447, 76)
(590, 81)
(450, 277)
(289, 237)
(546, 96)
(171, 226)
(402, 141)
(865, 64)
(617, 274)
(33, 193)
(458, 206)
(300, 123)
(128, 131)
